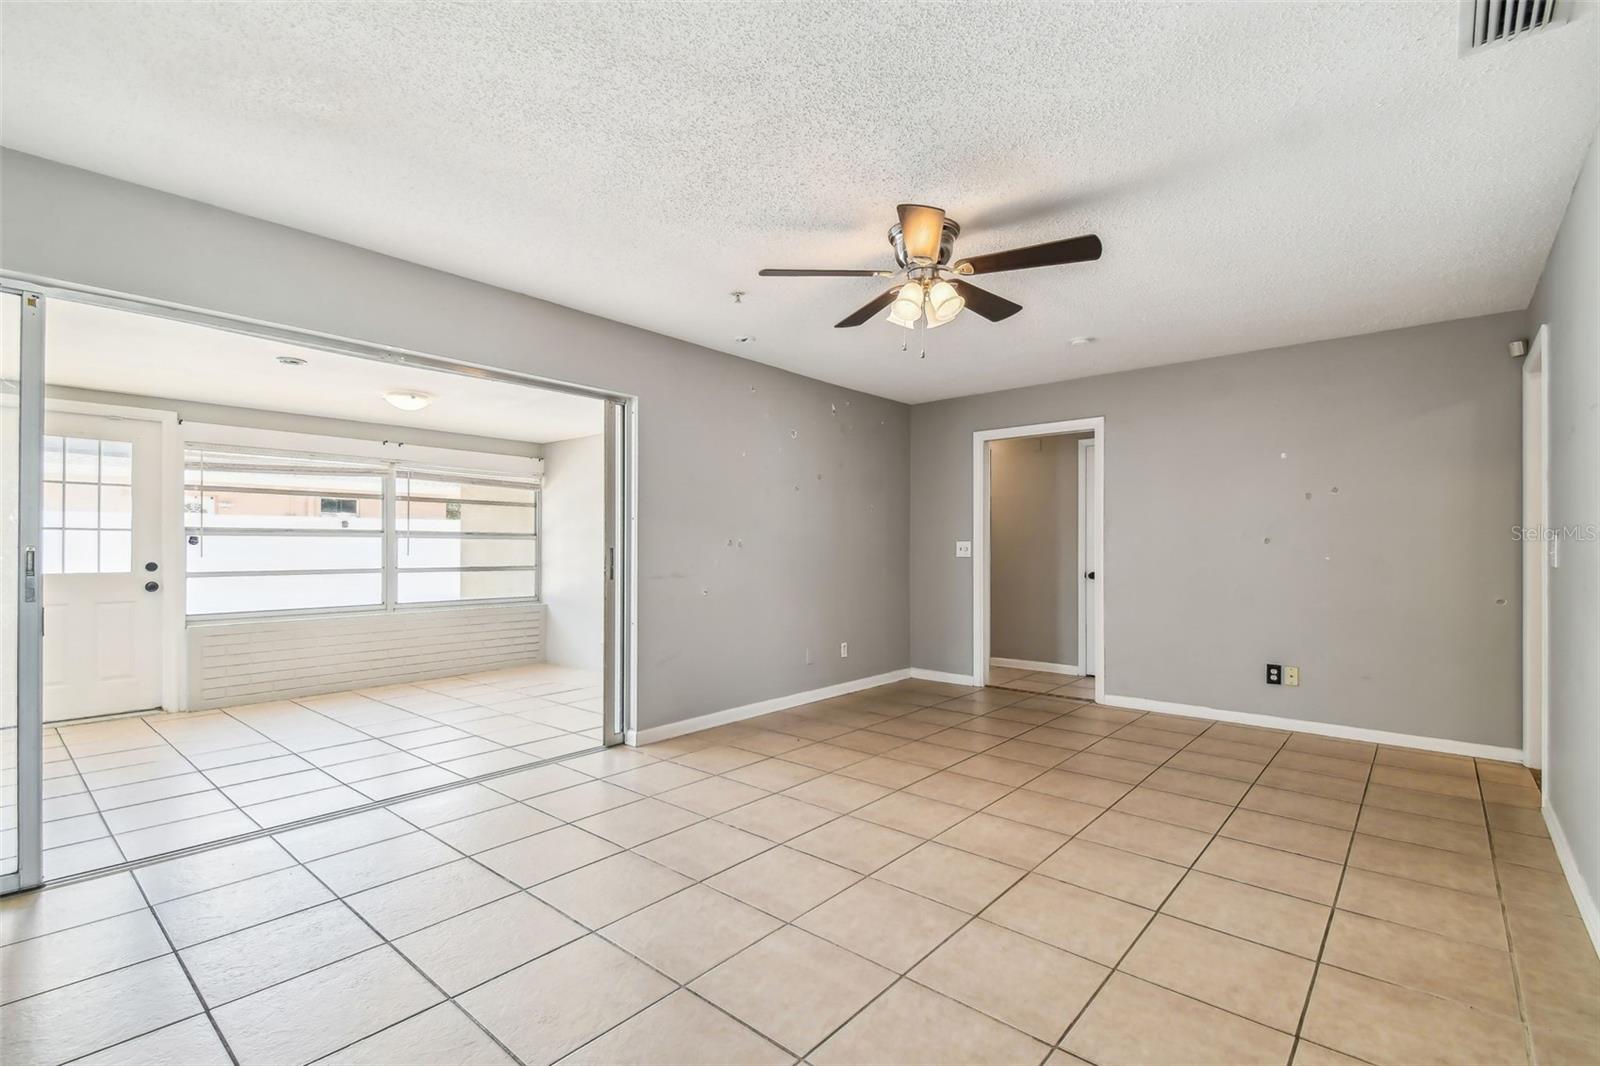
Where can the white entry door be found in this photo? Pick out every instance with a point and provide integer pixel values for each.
(100, 553)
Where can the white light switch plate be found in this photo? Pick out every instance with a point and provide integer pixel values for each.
(963, 549)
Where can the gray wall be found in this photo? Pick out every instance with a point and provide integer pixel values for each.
(572, 527)
(1033, 537)
(1227, 546)
(1565, 301)
(757, 487)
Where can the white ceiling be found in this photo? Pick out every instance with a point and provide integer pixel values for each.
(90, 347)
(1260, 173)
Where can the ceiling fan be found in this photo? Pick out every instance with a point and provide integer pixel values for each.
(923, 242)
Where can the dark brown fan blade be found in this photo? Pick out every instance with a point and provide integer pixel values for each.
(861, 314)
(771, 272)
(984, 303)
(1051, 253)
(922, 228)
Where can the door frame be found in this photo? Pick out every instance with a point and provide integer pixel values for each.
(620, 549)
(621, 698)
(174, 646)
(1536, 555)
(29, 606)
(624, 695)
(981, 488)
(1085, 561)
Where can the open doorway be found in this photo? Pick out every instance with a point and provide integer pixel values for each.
(1037, 580)
(284, 577)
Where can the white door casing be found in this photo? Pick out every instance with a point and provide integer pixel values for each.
(1536, 549)
(103, 649)
(1089, 556)
(981, 476)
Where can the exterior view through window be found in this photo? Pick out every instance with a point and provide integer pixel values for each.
(465, 538)
(87, 510)
(269, 532)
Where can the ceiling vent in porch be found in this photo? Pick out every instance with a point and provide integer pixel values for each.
(1487, 22)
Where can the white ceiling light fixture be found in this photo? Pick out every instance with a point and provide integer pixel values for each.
(907, 306)
(407, 399)
(944, 303)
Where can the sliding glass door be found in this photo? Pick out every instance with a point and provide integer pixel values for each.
(21, 617)
(616, 579)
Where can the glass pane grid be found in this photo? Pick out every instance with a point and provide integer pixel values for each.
(87, 518)
(307, 533)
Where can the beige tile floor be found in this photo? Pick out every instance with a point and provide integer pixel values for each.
(916, 873)
(1043, 682)
(127, 788)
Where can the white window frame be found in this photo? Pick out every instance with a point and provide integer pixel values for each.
(388, 531)
(99, 528)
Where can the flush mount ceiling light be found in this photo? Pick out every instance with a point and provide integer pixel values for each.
(291, 360)
(935, 291)
(407, 400)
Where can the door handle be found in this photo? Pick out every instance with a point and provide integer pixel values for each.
(1089, 574)
(151, 586)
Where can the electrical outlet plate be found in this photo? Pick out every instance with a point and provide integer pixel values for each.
(963, 549)
(1291, 675)
(1274, 674)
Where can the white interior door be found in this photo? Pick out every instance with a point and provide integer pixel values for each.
(1091, 558)
(100, 558)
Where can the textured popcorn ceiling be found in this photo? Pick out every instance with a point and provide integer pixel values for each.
(1261, 174)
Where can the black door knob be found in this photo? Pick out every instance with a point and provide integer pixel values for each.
(151, 567)
(1089, 575)
(151, 586)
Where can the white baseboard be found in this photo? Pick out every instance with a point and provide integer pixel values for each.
(939, 675)
(752, 710)
(1031, 664)
(1323, 729)
(1587, 906)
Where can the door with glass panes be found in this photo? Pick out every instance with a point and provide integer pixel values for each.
(100, 556)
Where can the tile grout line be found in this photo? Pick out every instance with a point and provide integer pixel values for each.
(94, 801)
(1333, 910)
(384, 941)
(1116, 967)
(187, 976)
(146, 719)
(973, 917)
(303, 823)
(783, 922)
(933, 771)
(1505, 921)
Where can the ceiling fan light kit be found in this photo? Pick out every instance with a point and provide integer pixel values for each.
(907, 306)
(944, 302)
(935, 290)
